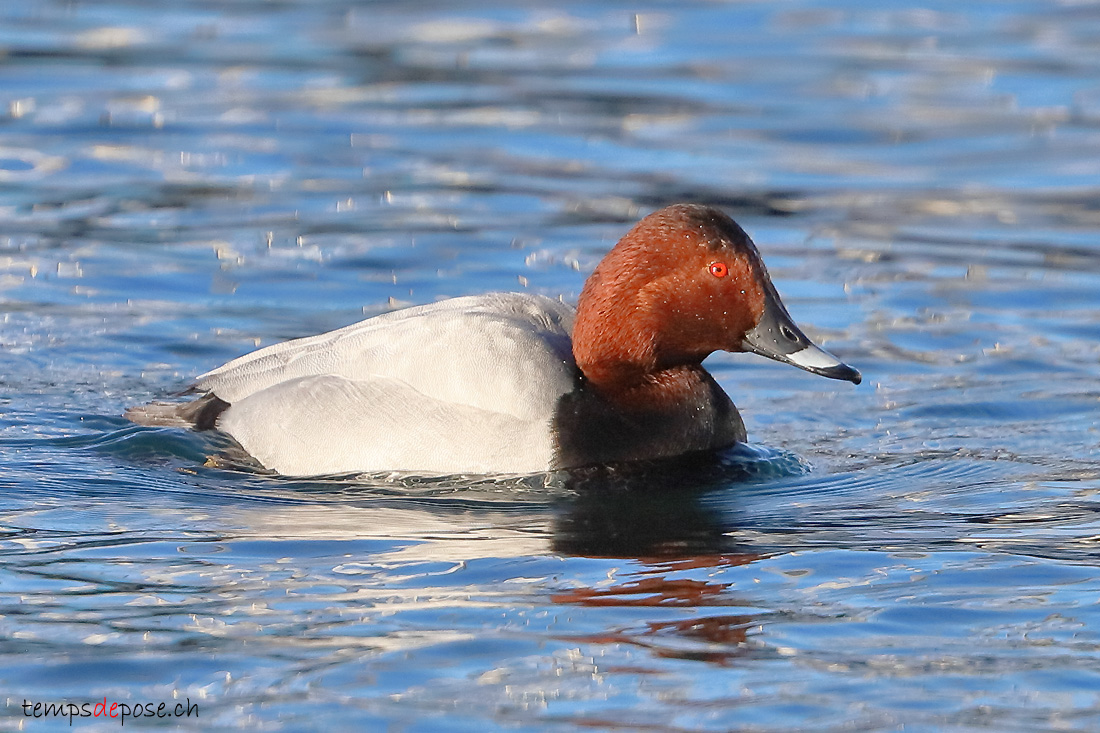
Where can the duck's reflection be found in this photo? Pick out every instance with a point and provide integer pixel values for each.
(638, 524)
(663, 521)
(667, 511)
(652, 511)
(669, 532)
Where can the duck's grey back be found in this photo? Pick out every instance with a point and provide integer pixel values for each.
(503, 352)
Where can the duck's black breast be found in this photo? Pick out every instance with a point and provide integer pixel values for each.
(688, 412)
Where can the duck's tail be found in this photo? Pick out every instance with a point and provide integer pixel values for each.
(199, 414)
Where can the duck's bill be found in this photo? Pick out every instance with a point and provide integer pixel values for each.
(819, 361)
(777, 337)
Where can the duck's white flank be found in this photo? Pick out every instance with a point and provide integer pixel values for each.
(464, 385)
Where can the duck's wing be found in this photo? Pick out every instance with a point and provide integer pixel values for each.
(503, 352)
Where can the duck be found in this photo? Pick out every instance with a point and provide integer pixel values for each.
(515, 383)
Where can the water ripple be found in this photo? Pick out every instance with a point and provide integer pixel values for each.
(179, 186)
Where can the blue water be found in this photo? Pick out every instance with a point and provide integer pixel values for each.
(183, 182)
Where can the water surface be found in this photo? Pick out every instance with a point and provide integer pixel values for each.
(179, 185)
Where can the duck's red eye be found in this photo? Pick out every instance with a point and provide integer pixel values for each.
(719, 269)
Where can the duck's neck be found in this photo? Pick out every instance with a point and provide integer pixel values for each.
(658, 391)
(617, 345)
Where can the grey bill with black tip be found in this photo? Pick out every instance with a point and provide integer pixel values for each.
(777, 337)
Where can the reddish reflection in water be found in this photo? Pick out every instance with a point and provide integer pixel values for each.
(660, 590)
(716, 639)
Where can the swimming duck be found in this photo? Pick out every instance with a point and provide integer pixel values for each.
(517, 383)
